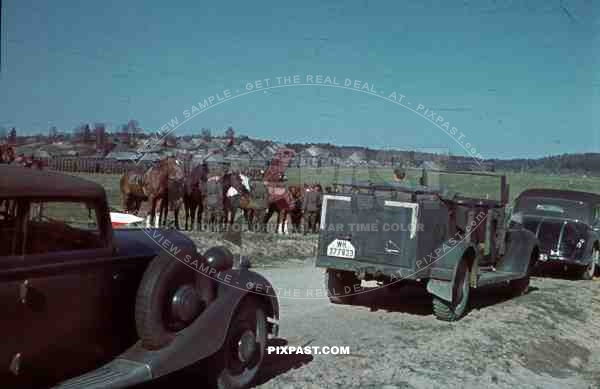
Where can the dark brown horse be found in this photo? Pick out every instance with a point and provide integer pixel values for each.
(195, 192)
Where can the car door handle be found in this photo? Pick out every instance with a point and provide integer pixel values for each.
(24, 291)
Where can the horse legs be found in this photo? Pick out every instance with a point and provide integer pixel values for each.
(281, 216)
(199, 217)
(268, 214)
(186, 211)
(151, 220)
(176, 214)
(163, 213)
(193, 209)
(196, 216)
(232, 212)
(287, 222)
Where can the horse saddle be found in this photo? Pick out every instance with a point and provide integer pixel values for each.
(135, 179)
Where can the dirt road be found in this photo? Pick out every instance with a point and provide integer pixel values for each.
(549, 338)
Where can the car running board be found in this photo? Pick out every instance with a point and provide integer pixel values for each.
(119, 373)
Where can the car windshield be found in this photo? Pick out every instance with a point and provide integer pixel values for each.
(547, 206)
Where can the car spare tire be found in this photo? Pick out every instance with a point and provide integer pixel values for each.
(170, 297)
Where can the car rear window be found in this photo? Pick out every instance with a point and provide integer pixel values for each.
(547, 206)
(55, 226)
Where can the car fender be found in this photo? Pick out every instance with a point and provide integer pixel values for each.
(207, 333)
(520, 244)
(444, 269)
(591, 239)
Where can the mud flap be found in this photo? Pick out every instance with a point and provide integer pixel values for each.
(441, 289)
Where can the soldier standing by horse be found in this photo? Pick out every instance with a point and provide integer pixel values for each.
(214, 212)
(311, 207)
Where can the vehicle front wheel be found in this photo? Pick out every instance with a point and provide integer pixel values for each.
(339, 285)
(242, 354)
(452, 311)
(588, 272)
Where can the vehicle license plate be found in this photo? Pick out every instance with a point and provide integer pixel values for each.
(341, 248)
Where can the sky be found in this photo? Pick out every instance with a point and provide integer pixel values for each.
(514, 79)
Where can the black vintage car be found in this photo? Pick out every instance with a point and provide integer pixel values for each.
(567, 224)
(449, 243)
(86, 306)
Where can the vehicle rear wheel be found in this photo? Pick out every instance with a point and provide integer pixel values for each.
(170, 297)
(239, 360)
(452, 311)
(588, 272)
(339, 285)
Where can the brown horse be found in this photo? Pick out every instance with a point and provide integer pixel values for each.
(280, 201)
(131, 186)
(7, 154)
(164, 186)
(238, 182)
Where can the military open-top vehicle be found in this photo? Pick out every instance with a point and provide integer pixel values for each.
(396, 233)
(104, 308)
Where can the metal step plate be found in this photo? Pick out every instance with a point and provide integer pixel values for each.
(119, 373)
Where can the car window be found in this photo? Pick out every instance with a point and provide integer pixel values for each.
(8, 227)
(62, 226)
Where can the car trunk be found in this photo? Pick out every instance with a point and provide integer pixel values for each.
(369, 228)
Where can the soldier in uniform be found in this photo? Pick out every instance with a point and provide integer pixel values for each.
(215, 215)
(319, 190)
(311, 207)
(260, 198)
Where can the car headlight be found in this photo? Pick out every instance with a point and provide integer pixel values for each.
(219, 258)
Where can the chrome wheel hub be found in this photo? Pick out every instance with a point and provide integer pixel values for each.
(246, 346)
(186, 304)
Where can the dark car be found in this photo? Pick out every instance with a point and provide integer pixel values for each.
(104, 308)
(567, 224)
(397, 234)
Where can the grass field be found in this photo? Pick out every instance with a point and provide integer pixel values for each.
(466, 185)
